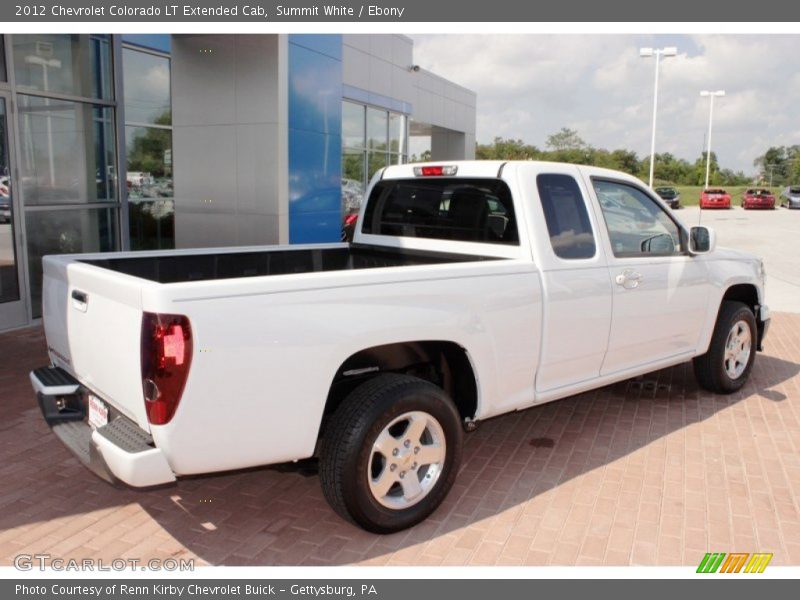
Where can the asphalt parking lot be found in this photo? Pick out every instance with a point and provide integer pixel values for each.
(652, 471)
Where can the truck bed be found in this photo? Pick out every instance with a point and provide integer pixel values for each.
(230, 265)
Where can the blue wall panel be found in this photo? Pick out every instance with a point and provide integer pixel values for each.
(315, 138)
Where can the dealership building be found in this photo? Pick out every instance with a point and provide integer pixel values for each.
(146, 142)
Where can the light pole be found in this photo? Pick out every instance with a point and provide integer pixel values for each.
(658, 53)
(711, 96)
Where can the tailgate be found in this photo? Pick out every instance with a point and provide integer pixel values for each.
(93, 320)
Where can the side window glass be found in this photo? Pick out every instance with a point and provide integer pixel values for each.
(637, 225)
(567, 219)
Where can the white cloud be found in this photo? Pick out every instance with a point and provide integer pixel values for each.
(529, 86)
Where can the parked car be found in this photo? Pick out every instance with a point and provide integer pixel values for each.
(349, 227)
(670, 195)
(457, 301)
(791, 197)
(758, 198)
(715, 198)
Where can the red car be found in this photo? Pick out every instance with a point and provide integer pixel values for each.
(715, 198)
(758, 198)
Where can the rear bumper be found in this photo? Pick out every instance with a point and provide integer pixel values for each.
(118, 452)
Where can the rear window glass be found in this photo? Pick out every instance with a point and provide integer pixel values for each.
(794, 190)
(565, 213)
(465, 210)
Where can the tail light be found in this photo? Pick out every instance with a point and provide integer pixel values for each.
(350, 219)
(166, 357)
(436, 171)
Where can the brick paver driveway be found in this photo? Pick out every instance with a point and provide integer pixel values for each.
(649, 471)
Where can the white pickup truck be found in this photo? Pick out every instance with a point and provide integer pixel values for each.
(471, 289)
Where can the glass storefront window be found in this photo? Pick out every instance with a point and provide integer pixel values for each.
(352, 179)
(77, 65)
(9, 283)
(377, 127)
(371, 139)
(146, 81)
(152, 224)
(375, 161)
(67, 152)
(397, 133)
(65, 232)
(151, 209)
(149, 156)
(3, 71)
(353, 125)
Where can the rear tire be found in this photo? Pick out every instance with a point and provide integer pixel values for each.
(373, 467)
(726, 366)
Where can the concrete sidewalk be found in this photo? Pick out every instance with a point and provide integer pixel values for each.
(646, 472)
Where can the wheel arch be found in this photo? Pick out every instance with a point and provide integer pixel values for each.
(747, 293)
(442, 362)
(739, 291)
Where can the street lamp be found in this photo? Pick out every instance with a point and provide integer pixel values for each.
(711, 96)
(658, 53)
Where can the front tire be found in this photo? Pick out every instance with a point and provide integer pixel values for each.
(391, 453)
(726, 366)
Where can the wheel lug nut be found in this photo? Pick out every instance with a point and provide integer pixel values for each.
(402, 474)
(414, 466)
(407, 443)
(393, 467)
(416, 449)
(395, 452)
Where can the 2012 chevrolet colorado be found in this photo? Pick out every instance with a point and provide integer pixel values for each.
(471, 289)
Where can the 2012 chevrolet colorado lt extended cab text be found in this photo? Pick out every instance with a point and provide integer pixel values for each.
(471, 289)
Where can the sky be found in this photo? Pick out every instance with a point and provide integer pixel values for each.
(531, 85)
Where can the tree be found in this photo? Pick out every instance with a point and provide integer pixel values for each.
(625, 160)
(565, 139)
(779, 164)
(567, 146)
(510, 149)
(425, 156)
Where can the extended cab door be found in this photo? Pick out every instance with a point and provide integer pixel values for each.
(660, 291)
(577, 307)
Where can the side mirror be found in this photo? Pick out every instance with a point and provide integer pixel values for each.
(702, 240)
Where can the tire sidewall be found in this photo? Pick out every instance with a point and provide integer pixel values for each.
(357, 494)
(742, 313)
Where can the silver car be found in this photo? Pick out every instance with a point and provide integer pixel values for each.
(791, 197)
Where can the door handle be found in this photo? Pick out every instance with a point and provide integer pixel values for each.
(80, 300)
(629, 279)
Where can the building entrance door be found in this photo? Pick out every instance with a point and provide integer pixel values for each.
(13, 298)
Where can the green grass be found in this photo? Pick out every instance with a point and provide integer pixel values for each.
(690, 194)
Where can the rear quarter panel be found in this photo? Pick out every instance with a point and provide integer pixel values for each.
(267, 349)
